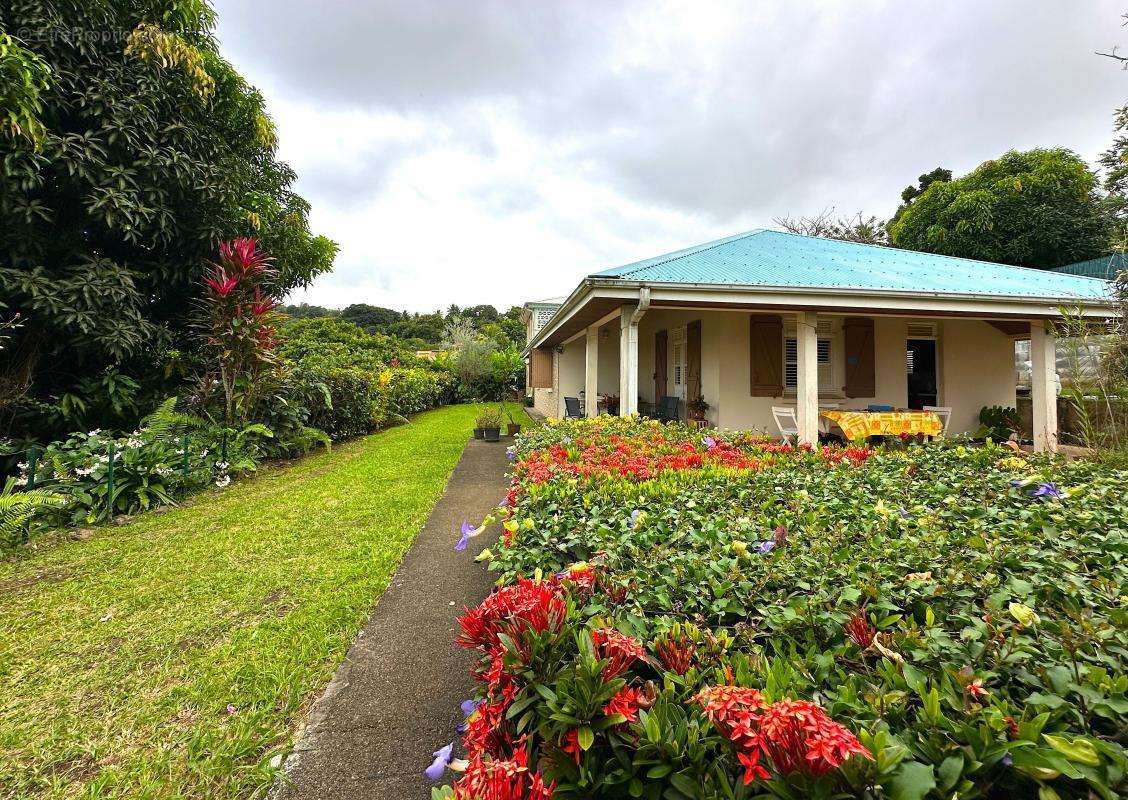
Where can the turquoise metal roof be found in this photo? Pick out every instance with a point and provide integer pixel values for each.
(1104, 267)
(777, 259)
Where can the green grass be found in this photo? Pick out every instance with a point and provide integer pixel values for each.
(120, 653)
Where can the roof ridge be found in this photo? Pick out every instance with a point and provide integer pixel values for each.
(930, 253)
(665, 258)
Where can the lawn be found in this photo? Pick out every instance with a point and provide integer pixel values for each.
(710, 615)
(174, 655)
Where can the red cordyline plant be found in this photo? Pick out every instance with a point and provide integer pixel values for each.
(240, 324)
(795, 736)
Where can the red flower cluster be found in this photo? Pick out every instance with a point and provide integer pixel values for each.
(852, 455)
(502, 779)
(859, 630)
(242, 254)
(527, 604)
(676, 650)
(617, 649)
(625, 702)
(797, 736)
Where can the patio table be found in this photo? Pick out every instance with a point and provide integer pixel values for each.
(863, 424)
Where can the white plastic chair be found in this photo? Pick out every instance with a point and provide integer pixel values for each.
(786, 421)
(945, 414)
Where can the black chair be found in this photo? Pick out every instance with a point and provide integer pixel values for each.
(669, 409)
(572, 408)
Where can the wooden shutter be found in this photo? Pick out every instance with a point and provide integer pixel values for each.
(540, 368)
(860, 361)
(661, 338)
(766, 352)
(693, 360)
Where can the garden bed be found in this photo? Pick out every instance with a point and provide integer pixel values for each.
(689, 616)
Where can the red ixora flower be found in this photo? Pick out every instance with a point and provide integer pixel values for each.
(625, 702)
(527, 604)
(243, 254)
(502, 779)
(859, 629)
(676, 650)
(795, 735)
(617, 649)
(220, 282)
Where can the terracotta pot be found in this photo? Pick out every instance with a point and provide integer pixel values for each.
(513, 429)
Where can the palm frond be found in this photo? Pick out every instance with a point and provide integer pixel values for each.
(19, 508)
(166, 422)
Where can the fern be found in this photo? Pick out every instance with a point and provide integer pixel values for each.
(165, 422)
(18, 508)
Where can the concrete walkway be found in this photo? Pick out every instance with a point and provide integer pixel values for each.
(396, 697)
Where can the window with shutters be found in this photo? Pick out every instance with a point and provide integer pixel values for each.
(678, 364)
(791, 363)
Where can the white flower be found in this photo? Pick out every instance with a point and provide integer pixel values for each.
(134, 443)
(94, 432)
(221, 465)
(22, 466)
(22, 481)
(222, 481)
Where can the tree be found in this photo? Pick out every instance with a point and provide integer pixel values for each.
(373, 319)
(866, 230)
(938, 175)
(305, 311)
(124, 161)
(1038, 208)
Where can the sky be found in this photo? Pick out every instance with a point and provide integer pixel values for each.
(497, 151)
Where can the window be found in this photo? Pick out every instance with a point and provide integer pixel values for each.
(677, 365)
(791, 363)
(909, 360)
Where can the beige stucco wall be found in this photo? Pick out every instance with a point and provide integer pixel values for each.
(977, 369)
(570, 372)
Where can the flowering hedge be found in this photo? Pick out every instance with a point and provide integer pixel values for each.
(688, 616)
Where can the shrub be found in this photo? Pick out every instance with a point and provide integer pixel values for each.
(932, 620)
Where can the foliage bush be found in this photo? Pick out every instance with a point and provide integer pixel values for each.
(959, 610)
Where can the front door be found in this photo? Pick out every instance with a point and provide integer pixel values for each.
(921, 367)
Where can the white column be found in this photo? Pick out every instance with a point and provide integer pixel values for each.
(591, 373)
(807, 381)
(628, 363)
(1043, 386)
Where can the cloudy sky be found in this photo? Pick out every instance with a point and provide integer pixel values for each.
(495, 151)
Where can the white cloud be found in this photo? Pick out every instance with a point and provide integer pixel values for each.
(497, 151)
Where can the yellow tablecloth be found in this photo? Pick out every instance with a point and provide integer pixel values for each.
(861, 424)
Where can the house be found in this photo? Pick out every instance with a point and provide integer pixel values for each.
(534, 315)
(767, 318)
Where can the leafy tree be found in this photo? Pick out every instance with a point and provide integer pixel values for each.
(866, 230)
(305, 311)
(129, 148)
(938, 175)
(1038, 208)
(373, 319)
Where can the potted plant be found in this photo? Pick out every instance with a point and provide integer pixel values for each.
(697, 407)
(490, 423)
(513, 428)
(477, 431)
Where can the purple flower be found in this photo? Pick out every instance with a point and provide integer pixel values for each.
(510, 454)
(709, 442)
(469, 707)
(439, 765)
(1047, 491)
(504, 502)
(767, 546)
(904, 513)
(634, 518)
(467, 532)
(1008, 761)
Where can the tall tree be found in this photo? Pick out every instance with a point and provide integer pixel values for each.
(1038, 208)
(911, 193)
(128, 150)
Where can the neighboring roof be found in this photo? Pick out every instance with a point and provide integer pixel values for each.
(1105, 267)
(765, 258)
(552, 301)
